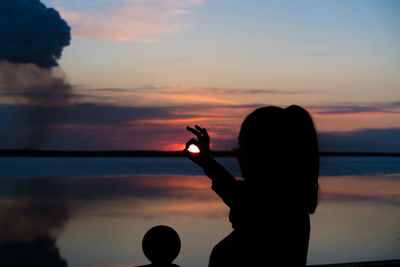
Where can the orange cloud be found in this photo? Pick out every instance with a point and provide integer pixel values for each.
(193, 98)
(173, 147)
(183, 121)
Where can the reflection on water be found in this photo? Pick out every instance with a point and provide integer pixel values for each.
(29, 222)
(100, 221)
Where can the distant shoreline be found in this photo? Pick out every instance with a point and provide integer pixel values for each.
(166, 154)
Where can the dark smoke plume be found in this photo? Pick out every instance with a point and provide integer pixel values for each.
(31, 33)
(32, 38)
(35, 87)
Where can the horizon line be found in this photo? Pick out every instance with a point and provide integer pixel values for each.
(158, 153)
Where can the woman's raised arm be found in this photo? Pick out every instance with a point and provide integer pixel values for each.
(223, 183)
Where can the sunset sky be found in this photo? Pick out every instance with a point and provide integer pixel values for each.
(142, 70)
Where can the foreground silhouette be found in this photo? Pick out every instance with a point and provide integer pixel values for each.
(269, 209)
(161, 245)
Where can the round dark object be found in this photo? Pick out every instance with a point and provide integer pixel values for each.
(161, 244)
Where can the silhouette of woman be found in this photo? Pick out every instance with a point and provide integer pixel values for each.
(269, 209)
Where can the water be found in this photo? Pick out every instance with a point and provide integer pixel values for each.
(100, 208)
(72, 167)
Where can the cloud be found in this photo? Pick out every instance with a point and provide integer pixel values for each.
(356, 108)
(178, 95)
(150, 95)
(91, 126)
(195, 89)
(365, 140)
(91, 114)
(100, 127)
(128, 20)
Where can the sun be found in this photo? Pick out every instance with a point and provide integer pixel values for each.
(193, 149)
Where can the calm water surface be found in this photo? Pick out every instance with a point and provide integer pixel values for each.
(98, 209)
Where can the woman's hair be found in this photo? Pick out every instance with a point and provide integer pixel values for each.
(278, 149)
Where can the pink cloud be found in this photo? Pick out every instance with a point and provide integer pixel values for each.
(132, 20)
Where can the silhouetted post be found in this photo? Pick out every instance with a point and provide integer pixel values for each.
(161, 245)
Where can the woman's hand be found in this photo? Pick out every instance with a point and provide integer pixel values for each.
(204, 157)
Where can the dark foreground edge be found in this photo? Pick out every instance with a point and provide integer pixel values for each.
(362, 264)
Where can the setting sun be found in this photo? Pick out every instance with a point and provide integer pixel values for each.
(193, 149)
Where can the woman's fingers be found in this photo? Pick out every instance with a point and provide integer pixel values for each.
(192, 142)
(202, 142)
(188, 154)
(203, 131)
(196, 133)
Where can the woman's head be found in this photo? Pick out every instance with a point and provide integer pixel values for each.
(278, 148)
